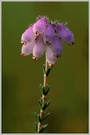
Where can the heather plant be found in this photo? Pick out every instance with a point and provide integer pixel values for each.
(45, 36)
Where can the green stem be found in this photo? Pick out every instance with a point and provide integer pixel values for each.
(43, 97)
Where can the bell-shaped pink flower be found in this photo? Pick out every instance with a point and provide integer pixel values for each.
(65, 34)
(40, 26)
(56, 46)
(27, 49)
(45, 34)
(49, 34)
(28, 36)
(38, 49)
(51, 59)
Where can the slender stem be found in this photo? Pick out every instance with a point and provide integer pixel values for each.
(43, 96)
(45, 77)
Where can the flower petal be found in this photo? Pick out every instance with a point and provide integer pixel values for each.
(65, 34)
(50, 56)
(28, 35)
(38, 49)
(40, 26)
(56, 46)
(48, 34)
(27, 49)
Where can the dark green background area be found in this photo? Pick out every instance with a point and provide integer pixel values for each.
(21, 76)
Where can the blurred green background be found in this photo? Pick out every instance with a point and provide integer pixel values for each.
(21, 76)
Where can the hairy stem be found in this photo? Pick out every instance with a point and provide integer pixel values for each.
(45, 77)
(43, 96)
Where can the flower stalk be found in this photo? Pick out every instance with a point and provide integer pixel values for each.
(39, 127)
(45, 76)
(43, 96)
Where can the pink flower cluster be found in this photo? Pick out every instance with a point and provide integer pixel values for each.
(45, 35)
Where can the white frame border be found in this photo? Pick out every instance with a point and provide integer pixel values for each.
(1, 59)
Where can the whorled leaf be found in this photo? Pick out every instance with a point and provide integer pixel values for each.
(48, 71)
(38, 118)
(35, 126)
(40, 103)
(45, 116)
(42, 89)
(44, 69)
(46, 105)
(47, 89)
(43, 128)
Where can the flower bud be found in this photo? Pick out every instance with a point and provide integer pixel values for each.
(28, 36)
(27, 49)
(40, 26)
(65, 34)
(49, 34)
(38, 49)
(56, 46)
(50, 56)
